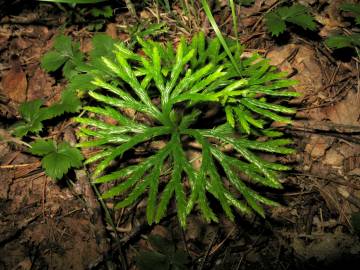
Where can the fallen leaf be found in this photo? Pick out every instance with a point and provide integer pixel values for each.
(333, 158)
(345, 112)
(40, 85)
(317, 146)
(352, 164)
(303, 59)
(14, 83)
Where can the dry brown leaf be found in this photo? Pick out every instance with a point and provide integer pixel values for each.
(40, 85)
(304, 61)
(111, 30)
(14, 83)
(317, 146)
(333, 158)
(345, 112)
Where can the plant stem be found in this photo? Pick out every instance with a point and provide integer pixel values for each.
(130, 6)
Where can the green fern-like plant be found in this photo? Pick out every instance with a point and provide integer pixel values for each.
(169, 92)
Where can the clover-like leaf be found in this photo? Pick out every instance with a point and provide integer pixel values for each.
(57, 159)
(297, 14)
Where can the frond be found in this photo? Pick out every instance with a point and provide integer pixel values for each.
(164, 89)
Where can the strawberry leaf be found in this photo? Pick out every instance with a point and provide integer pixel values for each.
(274, 23)
(52, 61)
(42, 147)
(66, 54)
(32, 113)
(296, 14)
(341, 41)
(57, 159)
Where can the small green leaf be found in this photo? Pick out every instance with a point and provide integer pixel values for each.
(55, 165)
(33, 114)
(42, 147)
(305, 21)
(63, 44)
(296, 14)
(53, 60)
(29, 110)
(341, 41)
(57, 159)
(74, 155)
(274, 23)
(70, 103)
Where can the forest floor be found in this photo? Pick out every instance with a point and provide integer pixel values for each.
(61, 225)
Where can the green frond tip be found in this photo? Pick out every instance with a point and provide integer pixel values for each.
(155, 109)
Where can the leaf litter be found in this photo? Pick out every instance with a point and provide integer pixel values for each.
(44, 224)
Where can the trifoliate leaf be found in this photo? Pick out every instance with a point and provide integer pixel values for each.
(296, 14)
(69, 103)
(303, 20)
(81, 82)
(22, 128)
(42, 147)
(33, 114)
(66, 54)
(57, 159)
(274, 23)
(29, 110)
(74, 155)
(55, 165)
(52, 61)
(69, 70)
(63, 44)
(103, 45)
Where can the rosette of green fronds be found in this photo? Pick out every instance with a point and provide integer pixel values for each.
(162, 95)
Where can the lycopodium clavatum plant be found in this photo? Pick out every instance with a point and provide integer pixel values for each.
(174, 101)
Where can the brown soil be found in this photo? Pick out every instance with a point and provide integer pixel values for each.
(61, 225)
